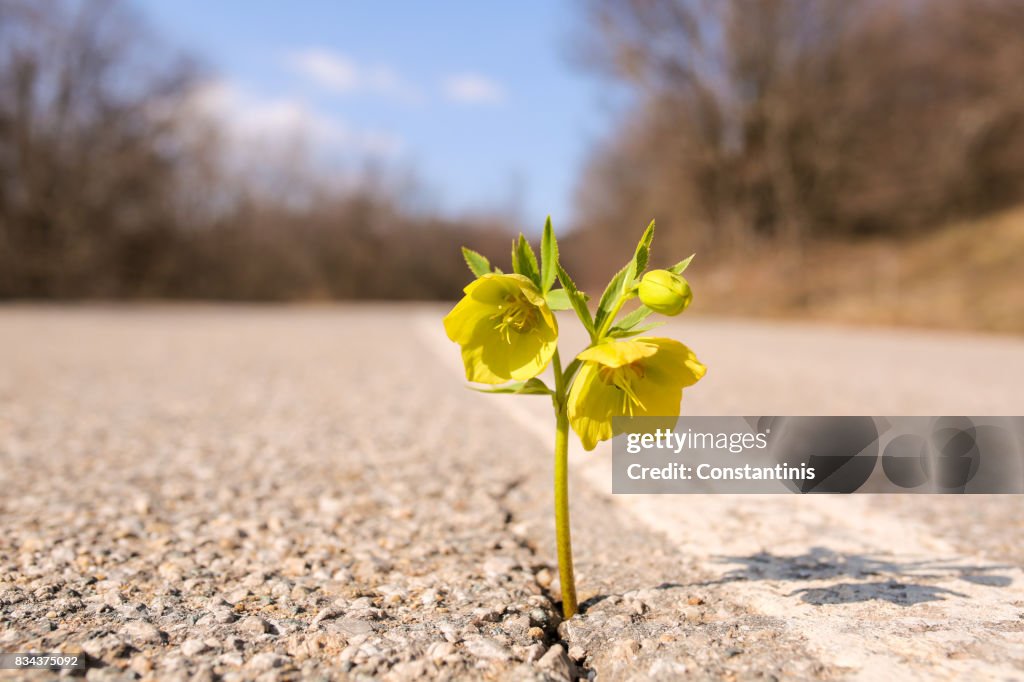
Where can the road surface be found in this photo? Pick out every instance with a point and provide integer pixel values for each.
(238, 492)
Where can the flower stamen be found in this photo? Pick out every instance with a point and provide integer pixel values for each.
(517, 315)
(621, 378)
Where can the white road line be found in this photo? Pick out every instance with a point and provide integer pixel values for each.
(880, 596)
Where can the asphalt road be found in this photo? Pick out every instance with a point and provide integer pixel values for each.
(297, 492)
(880, 586)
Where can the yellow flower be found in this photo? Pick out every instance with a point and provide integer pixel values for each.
(505, 328)
(640, 377)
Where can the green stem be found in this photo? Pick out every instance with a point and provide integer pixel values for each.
(610, 320)
(563, 536)
(562, 530)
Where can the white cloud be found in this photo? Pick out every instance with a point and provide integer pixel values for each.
(340, 74)
(332, 71)
(472, 88)
(282, 123)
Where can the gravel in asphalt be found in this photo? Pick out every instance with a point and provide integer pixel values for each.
(308, 493)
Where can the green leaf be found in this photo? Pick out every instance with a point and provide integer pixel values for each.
(643, 249)
(570, 371)
(624, 281)
(558, 299)
(548, 257)
(682, 265)
(577, 298)
(610, 296)
(528, 257)
(634, 318)
(478, 265)
(532, 387)
(617, 333)
(640, 256)
(524, 261)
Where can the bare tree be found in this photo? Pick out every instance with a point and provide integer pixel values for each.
(786, 119)
(83, 166)
(111, 184)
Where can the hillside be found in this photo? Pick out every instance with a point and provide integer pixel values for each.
(965, 276)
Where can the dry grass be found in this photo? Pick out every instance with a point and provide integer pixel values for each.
(965, 276)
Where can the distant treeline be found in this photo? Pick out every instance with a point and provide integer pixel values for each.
(760, 121)
(753, 122)
(110, 187)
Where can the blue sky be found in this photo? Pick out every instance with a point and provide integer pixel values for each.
(479, 98)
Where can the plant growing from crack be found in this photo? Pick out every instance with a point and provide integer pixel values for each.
(509, 335)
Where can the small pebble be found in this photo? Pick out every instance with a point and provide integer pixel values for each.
(254, 625)
(192, 647)
(141, 631)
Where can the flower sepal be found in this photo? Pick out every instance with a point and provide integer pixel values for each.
(533, 386)
(617, 333)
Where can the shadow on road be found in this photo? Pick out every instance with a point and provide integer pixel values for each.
(893, 592)
(904, 582)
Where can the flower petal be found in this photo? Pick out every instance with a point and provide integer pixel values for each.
(592, 404)
(674, 362)
(460, 324)
(481, 363)
(618, 353)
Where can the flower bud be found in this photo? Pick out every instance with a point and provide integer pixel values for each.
(665, 292)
